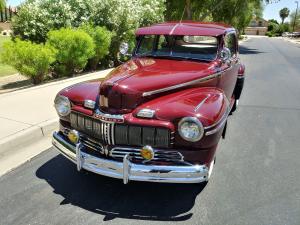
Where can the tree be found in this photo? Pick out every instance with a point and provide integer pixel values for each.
(297, 21)
(284, 13)
(2, 4)
(273, 21)
(237, 13)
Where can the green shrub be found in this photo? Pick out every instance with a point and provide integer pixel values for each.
(282, 28)
(31, 60)
(270, 34)
(73, 49)
(272, 26)
(36, 18)
(102, 40)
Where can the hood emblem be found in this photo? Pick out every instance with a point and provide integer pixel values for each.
(109, 118)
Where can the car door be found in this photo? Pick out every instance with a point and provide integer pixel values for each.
(231, 66)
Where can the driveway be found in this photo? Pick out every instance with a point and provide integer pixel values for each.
(256, 179)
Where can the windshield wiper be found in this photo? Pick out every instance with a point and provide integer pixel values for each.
(175, 57)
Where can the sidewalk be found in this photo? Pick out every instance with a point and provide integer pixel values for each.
(27, 116)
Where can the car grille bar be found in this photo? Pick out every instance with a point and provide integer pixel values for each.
(93, 127)
(121, 134)
(120, 152)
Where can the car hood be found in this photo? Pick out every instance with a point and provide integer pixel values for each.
(131, 84)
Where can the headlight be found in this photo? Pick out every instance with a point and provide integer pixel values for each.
(190, 129)
(62, 105)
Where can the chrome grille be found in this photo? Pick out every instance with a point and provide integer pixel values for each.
(96, 128)
(122, 134)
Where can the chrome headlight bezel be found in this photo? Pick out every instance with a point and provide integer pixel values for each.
(62, 101)
(198, 124)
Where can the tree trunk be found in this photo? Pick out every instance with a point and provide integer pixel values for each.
(188, 9)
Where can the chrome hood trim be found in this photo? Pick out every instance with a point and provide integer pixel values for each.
(212, 76)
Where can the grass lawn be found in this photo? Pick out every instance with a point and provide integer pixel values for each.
(5, 70)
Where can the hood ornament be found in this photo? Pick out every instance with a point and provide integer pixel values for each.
(103, 101)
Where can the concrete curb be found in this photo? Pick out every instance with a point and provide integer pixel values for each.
(24, 145)
(27, 137)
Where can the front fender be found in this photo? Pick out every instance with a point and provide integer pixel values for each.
(208, 104)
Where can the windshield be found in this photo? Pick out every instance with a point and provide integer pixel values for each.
(186, 47)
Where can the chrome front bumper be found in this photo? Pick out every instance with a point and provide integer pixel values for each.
(128, 170)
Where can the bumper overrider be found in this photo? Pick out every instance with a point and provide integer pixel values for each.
(127, 170)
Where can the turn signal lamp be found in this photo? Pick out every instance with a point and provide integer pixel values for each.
(73, 136)
(147, 152)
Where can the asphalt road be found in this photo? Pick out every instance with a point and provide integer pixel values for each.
(256, 179)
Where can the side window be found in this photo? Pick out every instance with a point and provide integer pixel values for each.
(164, 45)
(230, 43)
(146, 45)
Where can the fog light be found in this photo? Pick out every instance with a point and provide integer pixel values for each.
(147, 152)
(73, 136)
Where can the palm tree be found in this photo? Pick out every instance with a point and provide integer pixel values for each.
(284, 13)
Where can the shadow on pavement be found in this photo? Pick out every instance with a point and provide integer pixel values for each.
(109, 197)
(249, 51)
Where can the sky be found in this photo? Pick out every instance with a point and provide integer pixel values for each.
(271, 11)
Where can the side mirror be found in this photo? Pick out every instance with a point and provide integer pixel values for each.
(124, 49)
(225, 55)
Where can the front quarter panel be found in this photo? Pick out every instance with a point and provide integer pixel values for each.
(208, 105)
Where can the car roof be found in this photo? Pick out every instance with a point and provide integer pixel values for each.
(186, 28)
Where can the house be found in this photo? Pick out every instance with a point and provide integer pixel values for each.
(257, 27)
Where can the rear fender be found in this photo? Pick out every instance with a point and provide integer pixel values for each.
(240, 82)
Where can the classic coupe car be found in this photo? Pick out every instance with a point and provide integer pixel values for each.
(159, 116)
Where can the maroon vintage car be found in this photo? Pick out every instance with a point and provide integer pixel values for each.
(159, 116)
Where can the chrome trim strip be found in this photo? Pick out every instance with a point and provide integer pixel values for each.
(108, 133)
(201, 103)
(216, 129)
(102, 131)
(182, 85)
(113, 134)
(78, 157)
(173, 29)
(127, 170)
(218, 125)
(105, 132)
